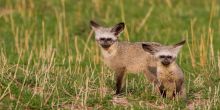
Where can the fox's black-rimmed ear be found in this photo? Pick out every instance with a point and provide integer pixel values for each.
(149, 48)
(180, 43)
(118, 28)
(94, 25)
(178, 46)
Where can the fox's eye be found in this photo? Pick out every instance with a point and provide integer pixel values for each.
(108, 39)
(162, 56)
(169, 57)
(102, 38)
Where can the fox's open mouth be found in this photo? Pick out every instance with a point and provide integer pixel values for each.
(105, 46)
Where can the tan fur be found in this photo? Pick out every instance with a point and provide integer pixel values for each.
(171, 78)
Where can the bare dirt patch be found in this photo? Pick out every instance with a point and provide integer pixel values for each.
(116, 100)
(198, 101)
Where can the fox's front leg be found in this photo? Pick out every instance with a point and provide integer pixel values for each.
(170, 89)
(169, 94)
(119, 80)
(157, 89)
(152, 77)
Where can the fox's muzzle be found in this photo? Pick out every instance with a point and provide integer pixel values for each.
(106, 42)
(165, 62)
(105, 46)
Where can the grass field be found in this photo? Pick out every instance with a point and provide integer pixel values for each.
(50, 60)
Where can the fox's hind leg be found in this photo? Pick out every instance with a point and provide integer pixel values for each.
(182, 93)
(180, 90)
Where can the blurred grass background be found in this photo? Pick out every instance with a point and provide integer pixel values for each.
(49, 58)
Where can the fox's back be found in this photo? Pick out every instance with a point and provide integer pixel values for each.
(132, 57)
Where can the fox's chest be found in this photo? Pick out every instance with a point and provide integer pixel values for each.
(167, 76)
(111, 59)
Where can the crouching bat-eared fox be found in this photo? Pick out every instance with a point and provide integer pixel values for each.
(125, 57)
(169, 74)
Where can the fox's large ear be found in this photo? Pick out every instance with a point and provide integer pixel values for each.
(178, 46)
(149, 48)
(118, 28)
(94, 25)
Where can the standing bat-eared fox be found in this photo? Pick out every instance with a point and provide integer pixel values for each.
(124, 57)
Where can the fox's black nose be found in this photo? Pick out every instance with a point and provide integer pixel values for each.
(165, 62)
(105, 46)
